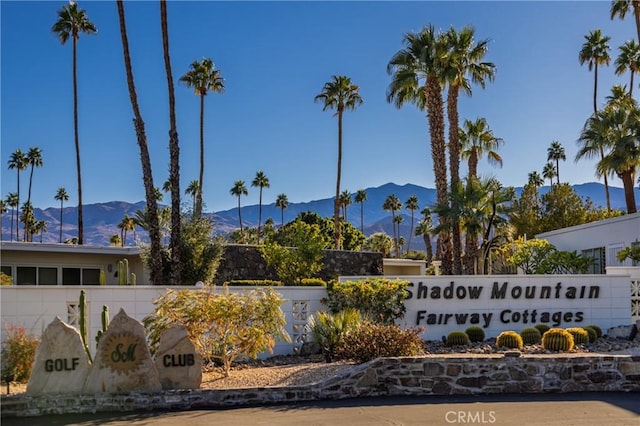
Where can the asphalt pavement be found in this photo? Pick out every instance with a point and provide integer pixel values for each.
(583, 409)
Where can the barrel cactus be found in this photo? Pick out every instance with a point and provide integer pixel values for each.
(531, 336)
(597, 329)
(457, 338)
(475, 333)
(580, 335)
(593, 335)
(509, 339)
(557, 339)
(542, 328)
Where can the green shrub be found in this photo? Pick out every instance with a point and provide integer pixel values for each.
(542, 328)
(597, 329)
(313, 282)
(373, 340)
(5, 279)
(378, 299)
(303, 259)
(593, 336)
(475, 333)
(509, 339)
(222, 326)
(557, 339)
(330, 330)
(457, 338)
(580, 335)
(266, 283)
(18, 354)
(531, 336)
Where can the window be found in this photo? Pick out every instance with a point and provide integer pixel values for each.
(612, 254)
(26, 275)
(71, 276)
(91, 276)
(598, 265)
(47, 276)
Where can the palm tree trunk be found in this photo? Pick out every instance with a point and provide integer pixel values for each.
(558, 171)
(631, 85)
(18, 209)
(336, 204)
(362, 217)
(198, 210)
(77, 141)
(239, 214)
(152, 204)
(61, 204)
(174, 153)
(436, 130)
(410, 232)
(636, 14)
(428, 248)
(629, 196)
(454, 165)
(259, 213)
(595, 111)
(282, 216)
(395, 234)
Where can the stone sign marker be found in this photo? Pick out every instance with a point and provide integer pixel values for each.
(178, 364)
(122, 361)
(61, 364)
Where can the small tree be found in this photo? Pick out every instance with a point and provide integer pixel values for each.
(632, 252)
(18, 354)
(537, 256)
(303, 259)
(224, 326)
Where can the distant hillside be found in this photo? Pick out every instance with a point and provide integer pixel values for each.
(101, 220)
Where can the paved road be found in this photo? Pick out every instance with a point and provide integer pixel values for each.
(583, 409)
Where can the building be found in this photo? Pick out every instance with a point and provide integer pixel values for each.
(601, 240)
(68, 264)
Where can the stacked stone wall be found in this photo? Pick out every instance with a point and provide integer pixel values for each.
(244, 262)
(428, 375)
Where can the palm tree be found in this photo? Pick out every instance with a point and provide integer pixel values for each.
(628, 59)
(71, 22)
(18, 161)
(282, 203)
(393, 204)
(595, 52)
(147, 175)
(412, 205)
(549, 172)
(28, 219)
(126, 224)
(535, 179)
(34, 159)
(617, 127)
(203, 77)
(260, 181)
(620, 8)
(477, 140)
(339, 94)
(556, 153)
(40, 228)
(345, 202)
(115, 240)
(174, 157)
(464, 62)
(397, 220)
(192, 189)
(12, 201)
(417, 72)
(425, 229)
(361, 197)
(238, 190)
(62, 196)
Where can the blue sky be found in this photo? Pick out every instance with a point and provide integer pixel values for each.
(275, 57)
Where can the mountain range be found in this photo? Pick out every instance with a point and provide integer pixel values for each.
(101, 219)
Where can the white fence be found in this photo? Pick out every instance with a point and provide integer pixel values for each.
(634, 274)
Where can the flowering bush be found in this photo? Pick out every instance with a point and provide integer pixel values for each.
(18, 354)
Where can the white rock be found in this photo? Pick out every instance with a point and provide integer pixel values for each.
(61, 364)
(178, 364)
(123, 361)
(620, 332)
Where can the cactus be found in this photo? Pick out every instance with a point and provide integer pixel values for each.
(509, 339)
(133, 279)
(475, 333)
(557, 339)
(597, 329)
(542, 328)
(593, 335)
(580, 335)
(82, 322)
(102, 280)
(530, 336)
(123, 273)
(457, 338)
(105, 323)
